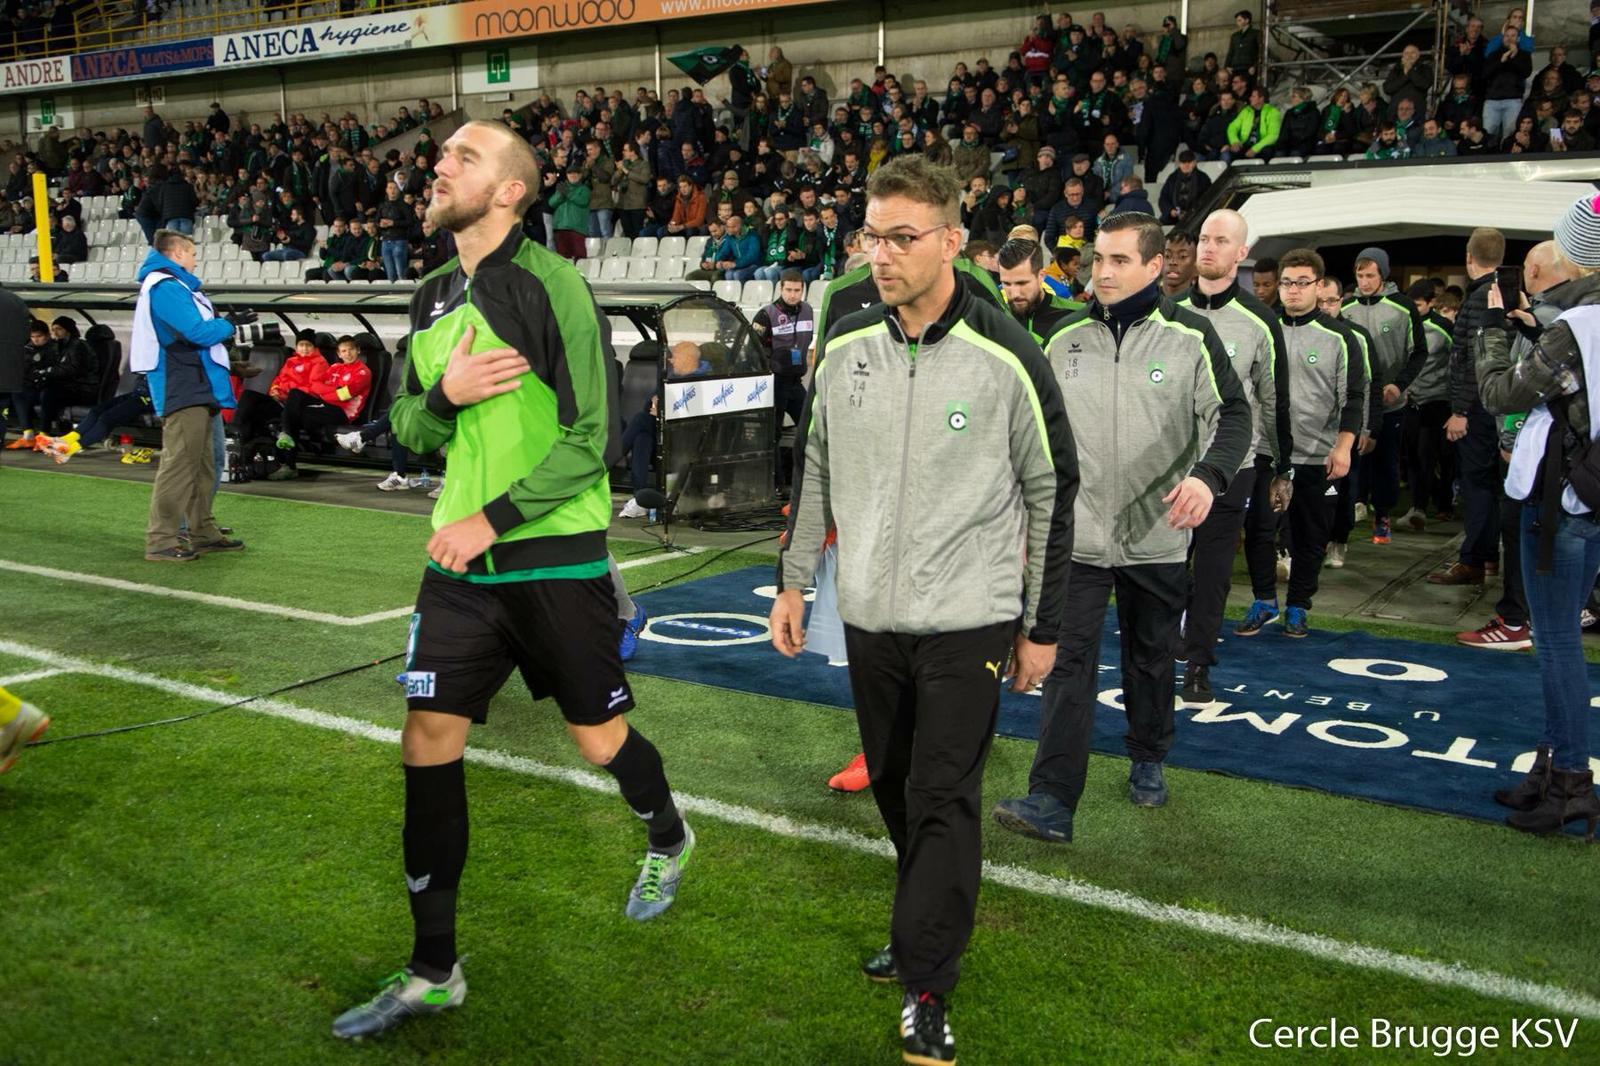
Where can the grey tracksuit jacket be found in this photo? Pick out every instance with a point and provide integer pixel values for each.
(1250, 333)
(1329, 385)
(1146, 383)
(1433, 383)
(1399, 348)
(948, 468)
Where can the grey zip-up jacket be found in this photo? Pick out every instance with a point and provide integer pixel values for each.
(1372, 410)
(1330, 383)
(1399, 348)
(948, 468)
(1433, 383)
(1146, 383)
(1250, 333)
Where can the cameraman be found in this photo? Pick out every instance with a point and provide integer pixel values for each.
(1553, 473)
(180, 345)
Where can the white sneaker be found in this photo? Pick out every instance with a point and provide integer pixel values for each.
(350, 442)
(1336, 555)
(1414, 520)
(631, 509)
(393, 483)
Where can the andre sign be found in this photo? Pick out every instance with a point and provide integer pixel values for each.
(34, 74)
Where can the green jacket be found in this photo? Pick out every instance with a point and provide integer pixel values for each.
(1244, 122)
(532, 460)
(571, 203)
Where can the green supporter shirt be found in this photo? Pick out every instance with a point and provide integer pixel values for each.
(533, 459)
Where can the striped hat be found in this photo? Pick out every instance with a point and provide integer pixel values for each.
(1578, 232)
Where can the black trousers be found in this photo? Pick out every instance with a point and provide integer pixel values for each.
(255, 411)
(1211, 554)
(1433, 461)
(303, 410)
(1513, 604)
(1311, 517)
(1150, 602)
(926, 707)
(1479, 455)
(788, 398)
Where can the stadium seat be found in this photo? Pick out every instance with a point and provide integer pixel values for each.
(250, 270)
(814, 294)
(1249, 163)
(642, 269)
(671, 267)
(727, 290)
(618, 247)
(233, 270)
(1290, 159)
(671, 246)
(271, 271)
(89, 272)
(756, 294)
(592, 247)
(589, 268)
(644, 246)
(694, 249)
(615, 269)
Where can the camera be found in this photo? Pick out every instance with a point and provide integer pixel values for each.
(253, 333)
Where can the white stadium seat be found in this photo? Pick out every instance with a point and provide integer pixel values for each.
(756, 294)
(727, 290)
(671, 246)
(643, 246)
(618, 247)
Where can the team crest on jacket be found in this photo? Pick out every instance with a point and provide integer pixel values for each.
(1231, 349)
(1385, 327)
(1311, 356)
(1158, 373)
(956, 416)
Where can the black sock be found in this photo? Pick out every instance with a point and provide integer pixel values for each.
(643, 781)
(435, 840)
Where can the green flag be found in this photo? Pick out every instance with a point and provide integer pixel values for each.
(703, 64)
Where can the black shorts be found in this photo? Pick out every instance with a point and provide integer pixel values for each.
(562, 635)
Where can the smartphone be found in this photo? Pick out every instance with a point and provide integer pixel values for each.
(1556, 136)
(1509, 279)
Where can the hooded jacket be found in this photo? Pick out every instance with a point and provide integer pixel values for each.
(184, 375)
(1432, 383)
(1399, 348)
(1146, 384)
(948, 467)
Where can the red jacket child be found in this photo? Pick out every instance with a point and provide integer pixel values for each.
(347, 382)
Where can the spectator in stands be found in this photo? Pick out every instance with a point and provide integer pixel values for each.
(294, 241)
(1113, 164)
(155, 129)
(631, 185)
(394, 221)
(1254, 132)
(1433, 144)
(435, 248)
(778, 241)
(689, 212)
(1506, 72)
(1388, 144)
(1244, 46)
(35, 276)
(1183, 190)
(779, 73)
(1456, 105)
(639, 436)
(659, 208)
(1515, 20)
(1409, 79)
(168, 203)
(1131, 199)
(366, 260)
(1215, 129)
(1302, 125)
(1526, 138)
(1473, 140)
(329, 401)
(1571, 136)
(1073, 204)
(69, 245)
(570, 199)
(1100, 111)
(787, 326)
(337, 248)
(1547, 91)
(1467, 53)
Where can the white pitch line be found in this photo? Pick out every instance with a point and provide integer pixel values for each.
(631, 563)
(35, 675)
(1245, 930)
(207, 598)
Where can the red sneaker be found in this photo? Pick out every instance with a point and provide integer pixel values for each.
(1497, 636)
(852, 778)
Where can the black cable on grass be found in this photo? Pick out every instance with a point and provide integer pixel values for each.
(304, 683)
(308, 682)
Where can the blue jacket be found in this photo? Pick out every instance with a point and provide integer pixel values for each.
(177, 320)
(744, 251)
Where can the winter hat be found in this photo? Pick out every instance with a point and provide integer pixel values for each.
(1378, 256)
(1578, 232)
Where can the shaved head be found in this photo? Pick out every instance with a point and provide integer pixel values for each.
(1224, 243)
(1545, 267)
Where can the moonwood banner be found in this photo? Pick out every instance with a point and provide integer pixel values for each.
(474, 23)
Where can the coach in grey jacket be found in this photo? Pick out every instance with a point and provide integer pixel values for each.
(1147, 384)
(939, 448)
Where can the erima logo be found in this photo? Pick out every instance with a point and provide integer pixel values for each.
(617, 696)
(722, 395)
(1074, 347)
(418, 884)
(683, 401)
(757, 392)
(438, 309)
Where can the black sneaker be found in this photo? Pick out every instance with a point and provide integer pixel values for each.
(1197, 684)
(171, 555)
(881, 968)
(223, 544)
(925, 1030)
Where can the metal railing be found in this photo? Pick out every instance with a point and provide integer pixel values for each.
(129, 23)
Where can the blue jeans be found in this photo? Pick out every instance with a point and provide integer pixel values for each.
(600, 223)
(740, 274)
(1554, 600)
(179, 225)
(394, 258)
(810, 274)
(282, 255)
(1500, 117)
(639, 440)
(769, 273)
(120, 410)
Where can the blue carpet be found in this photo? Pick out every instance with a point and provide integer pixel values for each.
(1430, 726)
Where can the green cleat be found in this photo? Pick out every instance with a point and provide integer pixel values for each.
(657, 886)
(403, 995)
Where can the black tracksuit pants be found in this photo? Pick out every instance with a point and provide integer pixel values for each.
(1211, 555)
(1479, 456)
(926, 706)
(1311, 518)
(1150, 600)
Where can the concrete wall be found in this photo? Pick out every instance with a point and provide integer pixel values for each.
(833, 41)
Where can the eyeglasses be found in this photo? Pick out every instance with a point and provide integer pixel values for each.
(899, 243)
(1296, 283)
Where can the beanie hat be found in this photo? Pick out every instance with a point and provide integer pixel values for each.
(1578, 232)
(309, 335)
(1378, 256)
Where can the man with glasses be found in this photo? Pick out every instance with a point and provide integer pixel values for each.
(1328, 383)
(938, 445)
(1164, 427)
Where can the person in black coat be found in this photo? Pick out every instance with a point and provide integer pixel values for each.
(70, 244)
(1183, 190)
(1160, 126)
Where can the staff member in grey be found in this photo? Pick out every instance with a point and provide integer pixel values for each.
(938, 446)
(1146, 382)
